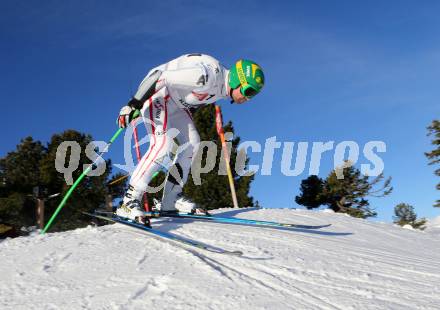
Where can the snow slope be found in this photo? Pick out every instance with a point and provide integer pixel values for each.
(354, 264)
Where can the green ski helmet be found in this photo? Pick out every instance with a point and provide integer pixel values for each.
(248, 75)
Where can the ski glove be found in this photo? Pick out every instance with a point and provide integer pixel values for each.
(126, 115)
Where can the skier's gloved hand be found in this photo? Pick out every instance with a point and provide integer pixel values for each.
(126, 115)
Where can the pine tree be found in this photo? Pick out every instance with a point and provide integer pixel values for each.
(33, 165)
(405, 215)
(348, 194)
(311, 192)
(89, 195)
(434, 155)
(117, 190)
(345, 195)
(19, 174)
(214, 192)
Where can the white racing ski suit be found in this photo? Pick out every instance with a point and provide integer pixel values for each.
(183, 83)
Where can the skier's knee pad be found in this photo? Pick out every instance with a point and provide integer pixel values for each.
(164, 153)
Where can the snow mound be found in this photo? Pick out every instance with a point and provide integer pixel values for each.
(435, 222)
(407, 226)
(184, 205)
(433, 225)
(354, 264)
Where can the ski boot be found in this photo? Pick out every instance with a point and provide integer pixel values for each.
(157, 208)
(187, 206)
(132, 211)
(199, 211)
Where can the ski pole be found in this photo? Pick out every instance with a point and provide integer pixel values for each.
(118, 180)
(126, 176)
(75, 184)
(220, 131)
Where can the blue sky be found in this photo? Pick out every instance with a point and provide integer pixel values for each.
(335, 71)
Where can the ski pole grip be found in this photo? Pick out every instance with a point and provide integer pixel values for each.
(136, 113)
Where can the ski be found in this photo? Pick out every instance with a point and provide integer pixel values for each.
(165, 235)
(233, 220)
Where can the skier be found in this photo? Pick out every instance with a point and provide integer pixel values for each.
(164, 99)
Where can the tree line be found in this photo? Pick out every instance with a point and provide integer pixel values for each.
(29, 173)
(350, 193)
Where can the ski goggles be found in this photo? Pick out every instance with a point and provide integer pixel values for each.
(248, 91)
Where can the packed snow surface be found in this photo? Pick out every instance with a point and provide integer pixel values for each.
(354, 264)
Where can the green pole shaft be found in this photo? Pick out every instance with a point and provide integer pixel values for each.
(75, 184)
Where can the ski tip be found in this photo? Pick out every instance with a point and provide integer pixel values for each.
(311, 226)
(235, 253)
(325, 225)
(300, 226)
(223, 251)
